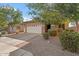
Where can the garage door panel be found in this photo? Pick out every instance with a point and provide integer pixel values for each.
(34, 29)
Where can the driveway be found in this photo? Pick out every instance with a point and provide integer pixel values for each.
(24, 36)
(42, 47)
(8, 45)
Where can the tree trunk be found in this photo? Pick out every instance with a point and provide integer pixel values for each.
(11, 29)
(61, 26)
(77, 26)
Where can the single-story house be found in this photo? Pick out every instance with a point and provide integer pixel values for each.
(38, 27)
(35, 27)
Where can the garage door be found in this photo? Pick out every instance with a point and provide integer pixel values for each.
(34, 29)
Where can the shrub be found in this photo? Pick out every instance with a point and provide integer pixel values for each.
(3, 32)
(0, 34)
(70, 40)
(69, 29)
(50, 32)
(60, 30)
(45, 35)
(54, 33)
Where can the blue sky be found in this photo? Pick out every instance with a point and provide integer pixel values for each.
(22, 7)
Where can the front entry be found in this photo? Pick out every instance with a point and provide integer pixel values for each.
(47, 27)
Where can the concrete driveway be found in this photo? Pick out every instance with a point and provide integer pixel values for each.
(24, 36)
(41, 47)
(8, 45)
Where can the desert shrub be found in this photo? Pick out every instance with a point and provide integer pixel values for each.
(46, 35)
(69, 29)
(3, 32)
(60, 30)
(0, 34)
(70, 40)
(54, 33)
(50, 32)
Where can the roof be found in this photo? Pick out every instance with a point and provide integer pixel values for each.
(30, 22)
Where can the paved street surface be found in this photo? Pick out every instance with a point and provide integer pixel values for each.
(42, 47)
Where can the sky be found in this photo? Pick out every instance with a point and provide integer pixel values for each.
(22, 7)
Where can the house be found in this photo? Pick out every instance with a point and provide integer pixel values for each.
(28, 27)
(16, 29)
(72, 25)
(37, 27)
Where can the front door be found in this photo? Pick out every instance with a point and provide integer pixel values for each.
(47, 27)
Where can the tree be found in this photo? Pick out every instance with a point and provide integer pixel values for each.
(47, 13)
(10, 16)
(17, 17)
(70, 11)
(3, 21)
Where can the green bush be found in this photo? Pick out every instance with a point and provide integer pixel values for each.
(45, 35)
(0, 34)
(54, 33)
(3, 32)
(50, 32)
(69, 29)
(70, 40)
(60, 30)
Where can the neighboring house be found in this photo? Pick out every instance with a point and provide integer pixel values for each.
(16, 29)
(72, 25)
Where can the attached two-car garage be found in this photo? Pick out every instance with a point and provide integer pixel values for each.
(34, 28)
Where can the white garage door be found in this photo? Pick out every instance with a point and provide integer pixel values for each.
(34, 29)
